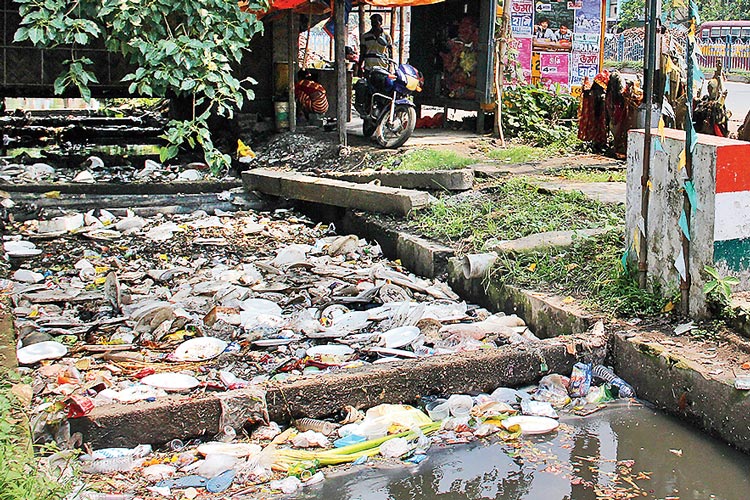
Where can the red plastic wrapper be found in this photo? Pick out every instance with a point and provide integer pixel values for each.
(144, 373)
(79, 406)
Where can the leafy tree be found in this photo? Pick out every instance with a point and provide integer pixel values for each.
(724, 10)
(178, 48)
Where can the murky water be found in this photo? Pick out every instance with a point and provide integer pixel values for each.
(619, 452)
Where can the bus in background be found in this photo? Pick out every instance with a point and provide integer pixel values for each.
(725, 41)
(719, 31)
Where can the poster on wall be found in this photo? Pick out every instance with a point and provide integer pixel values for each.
(553, 69)
(583, 65)
(553, 26)
(522, 18)
(564, 43)
(588, 18)
(521, 49)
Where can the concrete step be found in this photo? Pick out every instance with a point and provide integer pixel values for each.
(295, 186)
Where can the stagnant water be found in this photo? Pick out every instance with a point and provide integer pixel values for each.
(623, 451)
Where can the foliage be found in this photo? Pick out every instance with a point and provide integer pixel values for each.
(589, 270)
(590, 174)
(538, 115)
(620, 65)
(523, 153)
(429, 159)
(177, 48)
(719, 288)
(632, 12)
(721, 10)
(21, 476)
(508, 210)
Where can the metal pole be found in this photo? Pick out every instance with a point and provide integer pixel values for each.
(685, 283)
(648, 78)
(342, 99)
(293, 49)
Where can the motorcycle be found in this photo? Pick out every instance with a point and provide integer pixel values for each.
(382, 100)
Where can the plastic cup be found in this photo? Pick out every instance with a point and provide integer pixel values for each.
(438, 410)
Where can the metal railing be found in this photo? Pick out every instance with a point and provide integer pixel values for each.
(734, 54)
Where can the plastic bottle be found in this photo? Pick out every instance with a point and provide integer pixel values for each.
(624, 390)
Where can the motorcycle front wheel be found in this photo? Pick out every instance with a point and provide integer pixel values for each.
(393, 134)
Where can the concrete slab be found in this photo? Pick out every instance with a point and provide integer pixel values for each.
(325, 395)
(334, 192)
(606, 192)
(451, 180)
(491, 170)
(695, 392)
(544, 241)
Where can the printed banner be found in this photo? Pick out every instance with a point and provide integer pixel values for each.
(522, 18)
(553, 26)
(586, 42)
(583, 65)
(522, 48)
(554, 69)
(589, 17)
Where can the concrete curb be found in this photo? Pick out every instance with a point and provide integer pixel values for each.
(108, 188)
(545, 313)
(682, 388)
(451, 180)
(325, 395)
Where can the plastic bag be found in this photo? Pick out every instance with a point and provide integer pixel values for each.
(580, 380)
(553, 389)
(395, 448)
(538, 408)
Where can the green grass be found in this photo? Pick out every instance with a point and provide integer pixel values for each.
(527, 153)
(429, 159)
(21, 476)
(589, 174)
(589, 270)
(508, 210)
(518, 154)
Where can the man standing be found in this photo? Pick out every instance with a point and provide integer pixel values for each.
(375, 43)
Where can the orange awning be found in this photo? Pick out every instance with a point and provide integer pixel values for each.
(401, 3)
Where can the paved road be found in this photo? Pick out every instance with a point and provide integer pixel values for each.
(738, 102)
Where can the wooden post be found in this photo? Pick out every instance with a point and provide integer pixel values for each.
(293, 46)
(393, 28)
(401, 34)
(342, 99)
(362, 28)
(500, 52)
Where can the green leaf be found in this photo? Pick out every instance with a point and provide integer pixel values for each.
(710, 286)
(188, 84)
(35, 34)
(21, 34)
(61, 82)
(170, 48)
(712, 272)
(731, 280)
(85, 92)
(81, 38)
